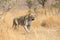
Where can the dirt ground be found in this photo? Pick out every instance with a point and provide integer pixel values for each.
(49, 31)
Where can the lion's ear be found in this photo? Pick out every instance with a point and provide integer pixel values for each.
(26, 17)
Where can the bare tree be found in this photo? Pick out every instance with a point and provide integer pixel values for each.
(29, 3)
(42, 2)
(5, 6)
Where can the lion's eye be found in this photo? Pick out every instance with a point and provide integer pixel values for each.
(33, 19)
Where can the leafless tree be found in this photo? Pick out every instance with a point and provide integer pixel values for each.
(5, 6)
(42, 2)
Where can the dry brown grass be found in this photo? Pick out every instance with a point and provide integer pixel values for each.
(51, 30)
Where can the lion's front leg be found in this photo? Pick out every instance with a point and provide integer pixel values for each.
(26, 26)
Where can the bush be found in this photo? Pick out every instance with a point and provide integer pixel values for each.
(6, 5)
(42, 2)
